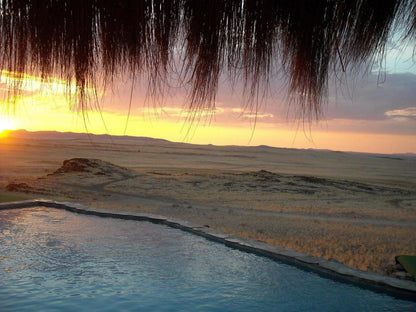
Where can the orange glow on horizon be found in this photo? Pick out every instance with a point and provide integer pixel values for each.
(4, 134)
(6, 124)
(43, 105)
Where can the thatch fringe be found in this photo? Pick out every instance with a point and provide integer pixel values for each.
(92, 41)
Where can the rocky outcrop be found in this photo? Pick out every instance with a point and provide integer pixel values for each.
(18, 187)
(24, 188)
(93, 166)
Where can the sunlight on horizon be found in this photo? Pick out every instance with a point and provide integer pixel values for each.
(6, 124)
(43, 105)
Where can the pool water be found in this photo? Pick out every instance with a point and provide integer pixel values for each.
(57, 260)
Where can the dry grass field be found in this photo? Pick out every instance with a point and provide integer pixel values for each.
(358, 209)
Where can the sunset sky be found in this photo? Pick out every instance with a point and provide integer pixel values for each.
(372, 113)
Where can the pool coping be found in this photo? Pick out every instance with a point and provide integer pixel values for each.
(321, 266)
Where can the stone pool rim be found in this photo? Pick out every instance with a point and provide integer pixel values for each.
(331, 269)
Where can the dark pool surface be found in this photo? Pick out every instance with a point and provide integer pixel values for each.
(54, 260)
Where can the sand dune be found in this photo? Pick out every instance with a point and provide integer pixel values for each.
(359, 209)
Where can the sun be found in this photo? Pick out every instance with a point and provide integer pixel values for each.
(6, 124)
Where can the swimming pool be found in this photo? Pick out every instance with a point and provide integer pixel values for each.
(56, 260)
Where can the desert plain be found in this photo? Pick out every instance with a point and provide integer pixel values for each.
(354, 208)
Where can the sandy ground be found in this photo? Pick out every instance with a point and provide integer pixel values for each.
(358, 209)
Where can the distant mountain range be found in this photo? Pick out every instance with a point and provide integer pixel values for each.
(54, 135)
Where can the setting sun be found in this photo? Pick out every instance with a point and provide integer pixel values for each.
(6, 124)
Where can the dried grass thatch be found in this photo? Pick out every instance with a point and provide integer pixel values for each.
(92, 41)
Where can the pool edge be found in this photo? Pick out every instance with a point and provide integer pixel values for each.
(332, 269)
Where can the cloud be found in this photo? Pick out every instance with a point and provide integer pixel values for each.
(43, 93)
(369, 98)
(258, 116)
(365, 98)
(368, 104)
(406, 112)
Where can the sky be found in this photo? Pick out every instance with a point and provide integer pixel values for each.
(373, 112)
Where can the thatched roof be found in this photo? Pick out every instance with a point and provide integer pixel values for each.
(92, 41)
